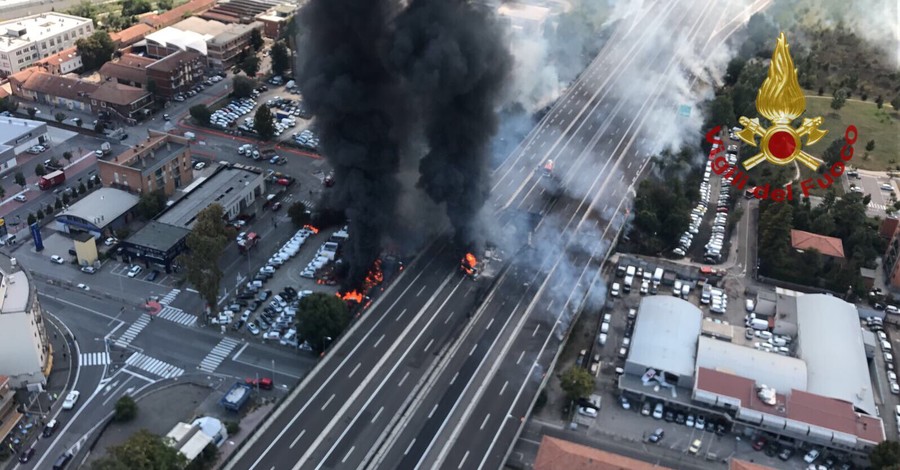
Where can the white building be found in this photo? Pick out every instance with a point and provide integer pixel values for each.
(24, 349)
(27, 40)
(16, 136)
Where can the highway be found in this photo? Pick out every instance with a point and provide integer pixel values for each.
(416, 383)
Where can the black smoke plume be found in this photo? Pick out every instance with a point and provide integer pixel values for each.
(358, 109)
(453, 58)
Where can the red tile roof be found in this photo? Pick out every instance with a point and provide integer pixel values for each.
(57, 85)
(131, 35)
(557, 454)
(119, 94)
(60, 56)
(178, 13)
(828, 246)
(797, 405)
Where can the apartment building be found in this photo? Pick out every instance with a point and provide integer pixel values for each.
(27, 40)
(177, 72)
(24, 349)
(161, 161)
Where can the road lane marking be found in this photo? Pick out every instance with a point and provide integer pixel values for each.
(238, 354)
(378, 342)
(504, 387)
(463, 461)
(422, 290)
(409, 446)
(432, 411)
(327, 402)
(430, 342)
(401, 314)
(473, 349)
(348, 454)
(377, 414)
(484, 422)
(454, 378)
(489, 324)
(297, 438)
(520, 357)
(403, 379)
(536, 327)
(449, 317)
(355, 369)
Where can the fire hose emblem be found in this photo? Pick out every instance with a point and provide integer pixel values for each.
(781, 101)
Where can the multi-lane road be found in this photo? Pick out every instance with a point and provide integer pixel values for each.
(441, 370)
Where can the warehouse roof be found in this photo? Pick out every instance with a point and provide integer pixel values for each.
(779, 372)
(665, 334)
(158, 236)
(102, 206)
(830, 341)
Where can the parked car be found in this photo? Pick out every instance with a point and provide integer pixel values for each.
(57, 259)
(811, 456)
(695, 447)
(657, 435)
(134, 271)
(71, 400)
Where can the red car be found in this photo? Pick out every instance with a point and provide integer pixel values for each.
(264, 383)
(759, 443)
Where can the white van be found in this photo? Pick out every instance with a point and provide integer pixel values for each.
(758, 324)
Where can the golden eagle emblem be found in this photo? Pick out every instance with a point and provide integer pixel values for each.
(780, 100)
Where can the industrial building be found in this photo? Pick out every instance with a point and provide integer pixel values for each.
(99, 213)
(32, 38)
(17, 135)
(821, 395)
(232, 187)
(156, 243)
(24, 348)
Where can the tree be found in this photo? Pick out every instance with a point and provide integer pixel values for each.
(721, 112)
(885, 455)
(142, 451)
(126, 409)
(68, 156)
(320, 317)
(85, 9)
(201, 114)
(206, 460)
(2, 192)
(8, 104)
(256, 39)
(40, 170)
(58, 204)
(95, 50)
(879, 101)
(735, 66)
(242, 87)
(19, 178)
(54, 163)
(839, 99)
(151, 204)
(39, 214)
(205, 243)
(280, 58)
(81, 188)
(135, 7)
(164, 4)
(250, 65)
(31, 218)
(895, 103)
(576, 382)
(32, 112)
(870, 145)
(60, 117)
(263, 123)
(298, 214)
(66, 198)
(99, 127)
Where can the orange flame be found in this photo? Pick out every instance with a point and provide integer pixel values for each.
(373, 278)
(352, 295)
(312, 229)
(468, 264)
(471, 260)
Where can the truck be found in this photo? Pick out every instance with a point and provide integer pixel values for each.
(52, 179)
(236, 396)
(245, 244)
(105, 148)
(657, 276)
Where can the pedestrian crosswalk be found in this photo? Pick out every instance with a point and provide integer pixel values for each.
(132, 331)
(154, 366)
(310, 205)
(879, 207)
(177, 315)
(218, 354)
(94, 359)
(170, 297)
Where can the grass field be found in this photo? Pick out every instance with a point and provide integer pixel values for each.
(881, 125)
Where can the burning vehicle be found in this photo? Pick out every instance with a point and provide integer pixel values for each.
(547, 167)
(469, 265)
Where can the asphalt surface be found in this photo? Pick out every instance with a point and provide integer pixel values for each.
(394, 392)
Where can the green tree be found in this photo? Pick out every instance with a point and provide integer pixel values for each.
(576, 382)
(31, 218)
(885, 455)
(256, 39)
(870, 145)
(81, 188)
(205, 243)
(66, 199)
(164, 4)
(2, 192)
(40, 170)
(879, 101)
(58, 204)
(99, 127)
(68, 156)
(19, 178)
(85, 9)
(8, 104)
(242, 86)
(32, 112)
(151, 204)
(201, 114)
(250, 65)
(280, 58)
(142, 451)
(60, 117)
(320, 317)
(39, 214)
(735, 66)
(95, 50)
(126, 409)
(298, 214)
(206, 459)
(722, 112)
(839, 99)
(264, 123)
(895, 103)
(54, 163)
(135, 7)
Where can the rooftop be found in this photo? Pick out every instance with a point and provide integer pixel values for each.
(830, 342)
(779, 372)
(828, 246)
(158, 236)
(11, 128)
(206, 28)
(22, 31)
(224, 187)
(150, 154)
(178, 39)
(665, 334)
(57, 85)
(61, 56)
(174, 15)
(14, 290)
(102, 206)
(171, 61)
(555, 454)
(235, 31)
(131, 35)
(117, 93)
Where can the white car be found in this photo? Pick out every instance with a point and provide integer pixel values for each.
(110, 241)
(134, 271)
(84, 287)
(199, 166)
(616, 289)
(71, 400)
(20, 198)
(587, 411)
(57, 259)
(811, 456)
(895, 389)
(254, 330)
